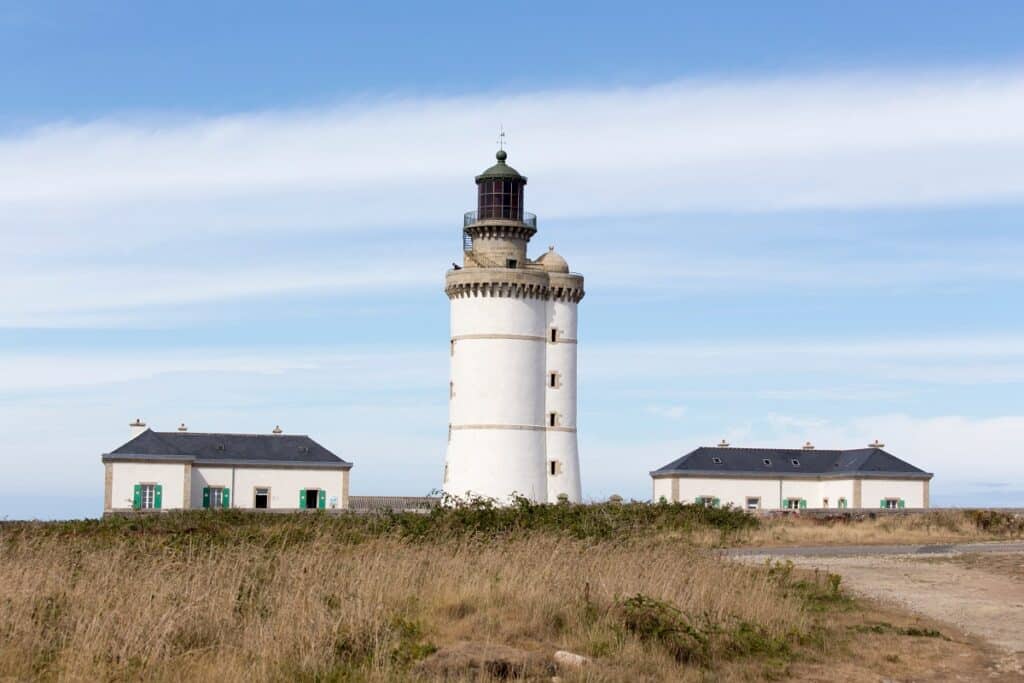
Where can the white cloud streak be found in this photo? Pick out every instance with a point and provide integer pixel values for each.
(833, 140)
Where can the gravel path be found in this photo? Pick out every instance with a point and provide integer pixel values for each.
(983, 598)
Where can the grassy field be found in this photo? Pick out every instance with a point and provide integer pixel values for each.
(232, 596)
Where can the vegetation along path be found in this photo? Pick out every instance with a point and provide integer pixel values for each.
(978, 587)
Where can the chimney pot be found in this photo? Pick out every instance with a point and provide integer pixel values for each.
(808, 446)
(137, 427)
(876, 444)
(182, 427)
(277, 430)
(723, 444)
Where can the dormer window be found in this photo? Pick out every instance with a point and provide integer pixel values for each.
(511, 263)
(767, 462)
(796, 463)
(717, 461)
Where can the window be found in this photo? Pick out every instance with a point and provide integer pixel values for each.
(451, 351)
(753, 503)
(892, 503)
(552, 421)
(148, 500)
(261, 500)
(794, 503)
(147, 497)
(451, 389)
(824, 502)
(553, 468)
(554, 335)
(310, 499)
(446, 473)
(216, 497)
(767, 462)
(795, 462)
(707, 501)
(511, 263)
(841, 503)
(717, 461)
(553, 380)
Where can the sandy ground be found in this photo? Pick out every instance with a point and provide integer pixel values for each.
(981, 594)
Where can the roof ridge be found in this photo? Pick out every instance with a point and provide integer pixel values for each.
(269, 434)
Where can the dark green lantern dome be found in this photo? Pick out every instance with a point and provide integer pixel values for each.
(500, 170)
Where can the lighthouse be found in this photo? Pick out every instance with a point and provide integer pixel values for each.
(512, 390)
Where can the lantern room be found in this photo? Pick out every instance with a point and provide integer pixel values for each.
(500, 191)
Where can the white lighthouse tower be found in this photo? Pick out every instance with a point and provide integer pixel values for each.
(512, 397)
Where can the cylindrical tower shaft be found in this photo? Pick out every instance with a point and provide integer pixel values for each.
(512, 404)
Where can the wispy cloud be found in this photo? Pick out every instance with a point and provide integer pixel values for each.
(862, 139)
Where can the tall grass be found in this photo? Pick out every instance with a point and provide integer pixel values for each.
(232, 596)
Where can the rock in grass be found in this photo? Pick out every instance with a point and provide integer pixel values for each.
(570, 660)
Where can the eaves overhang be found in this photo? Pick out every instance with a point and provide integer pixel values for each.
(226, 462)
(854, 474)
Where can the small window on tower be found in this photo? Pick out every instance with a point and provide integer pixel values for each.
(451, 389)
(553, 467)
(554, 334)
(511, 263)
(552, 419)
(553, 380)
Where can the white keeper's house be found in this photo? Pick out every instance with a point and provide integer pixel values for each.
(183, 470)
(793, 479)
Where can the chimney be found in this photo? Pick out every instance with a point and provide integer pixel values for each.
(137, 427)
(723, 444)
(277, 430)
(808, 446)
(876, 444)
(182, 427)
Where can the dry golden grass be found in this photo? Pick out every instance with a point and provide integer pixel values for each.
(326, 610)
(232, 597)
(940, 526)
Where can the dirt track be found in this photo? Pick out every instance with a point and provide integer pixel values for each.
(981, 593)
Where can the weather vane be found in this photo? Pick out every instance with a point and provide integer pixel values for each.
(501, 137)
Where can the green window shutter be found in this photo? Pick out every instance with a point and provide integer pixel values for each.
(902, 503)
(206, 496)
(698, 501)
(158, 496)
(322, 499)
(225, 500)
(302, 499)
(137, 499)
(715, 502)
(803, 504)
(882, 504)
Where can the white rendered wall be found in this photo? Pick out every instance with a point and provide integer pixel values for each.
(662, 488)
(729, 491)
(203, 477)
(496, 410)
(561, 446)
(284, 485)
(872, 492)
(807, 489)
(834, 489)
(125, 475)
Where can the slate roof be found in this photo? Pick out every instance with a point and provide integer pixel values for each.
(288, 450)
(862, 462)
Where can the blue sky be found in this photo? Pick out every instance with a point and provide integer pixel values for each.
(797, 222)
